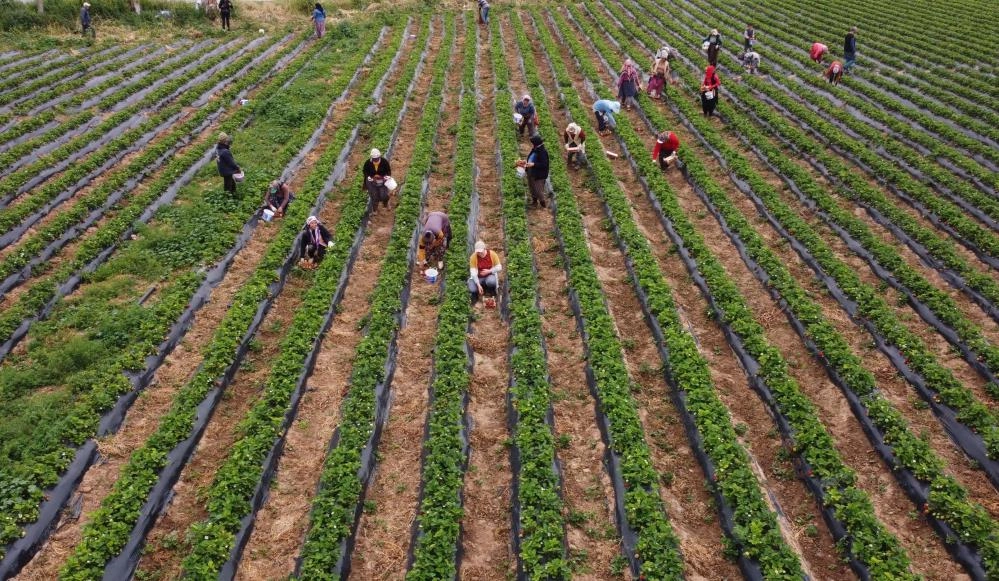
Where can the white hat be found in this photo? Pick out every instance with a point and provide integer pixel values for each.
(480, 246)
(525, 98)
(573, 129)
(310, 220)
(375, 154)
(86, 4)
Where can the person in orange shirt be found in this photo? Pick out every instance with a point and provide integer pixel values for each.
(483, 274)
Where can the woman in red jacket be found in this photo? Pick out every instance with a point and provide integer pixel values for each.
(709, 91)
(667, 144)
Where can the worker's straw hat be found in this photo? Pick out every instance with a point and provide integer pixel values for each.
(480, 246)
(375, 153)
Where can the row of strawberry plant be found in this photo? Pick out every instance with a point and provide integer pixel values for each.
(937, 251)
(114, 126)
(16, 320)
(939, 211)
(933, 304)
(908, 123)
(965, 69)
(34, 206)
(107, 383)
(240, 484)
(58, 191)
(806, 24)
(50, 85)
(32, 255)
(17, 155)
(12, 88)
(111, 528)
(24, 67)
(938, 92)
(435, 546)
(834, 484)
(752, 525)
(946, 500)
(25, 126)
(656, 552)
(932, 380)
(874, 105)
(347, 467)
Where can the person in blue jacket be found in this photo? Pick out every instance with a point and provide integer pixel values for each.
(604, 110)
(319, 18)
(850, 49)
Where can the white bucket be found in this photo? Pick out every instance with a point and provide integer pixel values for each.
(518, 118)
(521, 172)
(391, 184)
(431, 274)
(268, 214)
(705, 45)
(239, 177)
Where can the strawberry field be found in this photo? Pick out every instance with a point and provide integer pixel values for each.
(776, 359)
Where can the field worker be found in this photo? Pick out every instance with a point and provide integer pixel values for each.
(319, 18)
(629, 83)
(537, 170)
(528, 115)
(818, 51)
(712, 43)
(834, 74)
(575, 144)
(434, 240)
(85, 18)
(604, 111)
(226, 163)
(659, 72)
(709, 91)
(225, 10)
(277, 197)
(666, 146)
(483, 274)
(850, 49)
(751, 61)
(748, 38)
(376, 171)
(483, 12)
(315, 240)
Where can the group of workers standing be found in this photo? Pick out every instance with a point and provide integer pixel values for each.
(484, 264)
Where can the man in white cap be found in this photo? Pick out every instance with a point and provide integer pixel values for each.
(483, 274)
(376, 171)
(315, 240)
(85, 18)
(528, 115)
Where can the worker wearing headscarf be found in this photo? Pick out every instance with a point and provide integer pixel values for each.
(434, 240)
(483, 272)
(315, 240)
(709, 91)
(574, 139)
